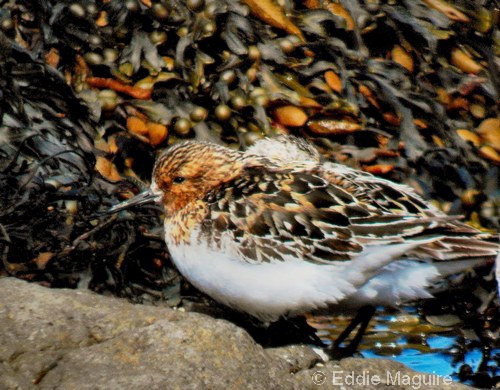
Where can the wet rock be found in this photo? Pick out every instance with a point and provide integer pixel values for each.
(66, 339)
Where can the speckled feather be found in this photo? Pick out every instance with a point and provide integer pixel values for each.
(313, 211)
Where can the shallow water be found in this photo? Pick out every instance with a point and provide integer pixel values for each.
(407, 338)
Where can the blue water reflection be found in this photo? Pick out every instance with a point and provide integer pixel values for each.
(407, 338)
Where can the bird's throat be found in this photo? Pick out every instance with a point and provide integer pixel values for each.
(179, 226)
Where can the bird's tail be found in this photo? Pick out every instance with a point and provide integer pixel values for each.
(374, 258)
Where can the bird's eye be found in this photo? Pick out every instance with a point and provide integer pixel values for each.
(178, 180)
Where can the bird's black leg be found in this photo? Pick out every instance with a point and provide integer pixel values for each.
(294, 330)
(362, 319)
(310, 336)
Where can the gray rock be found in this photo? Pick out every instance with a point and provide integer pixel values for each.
(297, 357)
(75, 339)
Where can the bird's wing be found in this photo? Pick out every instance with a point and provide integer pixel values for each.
(417, 218)
(275, 215)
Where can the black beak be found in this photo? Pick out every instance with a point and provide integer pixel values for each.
(142, 198)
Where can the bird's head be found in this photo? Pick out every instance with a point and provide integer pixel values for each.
(186, 172)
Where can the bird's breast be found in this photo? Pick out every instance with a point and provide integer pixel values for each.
(179, 226)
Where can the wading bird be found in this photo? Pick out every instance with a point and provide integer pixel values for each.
(275, 232)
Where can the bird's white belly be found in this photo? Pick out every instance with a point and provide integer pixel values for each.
(270, 290)
(266, 290)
